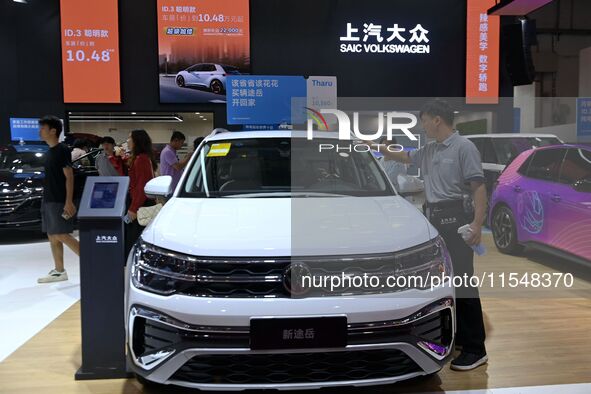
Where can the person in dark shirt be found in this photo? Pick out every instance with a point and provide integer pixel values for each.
(108, 163)
(58, 209)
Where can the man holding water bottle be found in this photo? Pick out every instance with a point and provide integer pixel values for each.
(456, 196)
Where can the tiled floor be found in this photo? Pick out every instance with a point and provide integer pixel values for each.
(25, 306)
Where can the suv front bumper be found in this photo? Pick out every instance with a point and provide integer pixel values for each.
(204, 342)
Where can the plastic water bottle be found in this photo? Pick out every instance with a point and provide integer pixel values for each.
(465, 231)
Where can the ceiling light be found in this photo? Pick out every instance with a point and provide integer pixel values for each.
(197, 113)
(91, 118)
(134, 113)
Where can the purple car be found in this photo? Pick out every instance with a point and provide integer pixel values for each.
(543, 200)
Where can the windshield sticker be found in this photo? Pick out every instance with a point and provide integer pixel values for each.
(219, 150)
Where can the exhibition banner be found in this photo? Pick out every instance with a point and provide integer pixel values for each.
(380, 48)
(482, 53)
(90, 51)
(263, 99)
(321, 92)
(271, 100)
(200, 44)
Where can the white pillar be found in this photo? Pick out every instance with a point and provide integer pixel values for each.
(524, 97)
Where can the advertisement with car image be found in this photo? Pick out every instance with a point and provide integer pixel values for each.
(200, 44)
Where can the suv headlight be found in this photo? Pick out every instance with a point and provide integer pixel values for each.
(425, 261)
(159, 271)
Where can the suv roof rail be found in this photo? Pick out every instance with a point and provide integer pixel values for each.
(218, 130)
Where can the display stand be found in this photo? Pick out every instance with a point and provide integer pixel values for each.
(102, 273)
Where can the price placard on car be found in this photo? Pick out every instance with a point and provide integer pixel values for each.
(90, 51)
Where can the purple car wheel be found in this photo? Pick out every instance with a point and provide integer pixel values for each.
(505, 231)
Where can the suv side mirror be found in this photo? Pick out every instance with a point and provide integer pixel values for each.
(583, 186)
(159, 187)
(408, 184)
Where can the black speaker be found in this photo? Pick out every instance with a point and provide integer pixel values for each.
(517, 41)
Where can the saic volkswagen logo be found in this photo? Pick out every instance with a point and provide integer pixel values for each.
(292, 278)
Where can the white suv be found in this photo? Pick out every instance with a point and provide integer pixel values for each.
(217, 296)
(206, 75)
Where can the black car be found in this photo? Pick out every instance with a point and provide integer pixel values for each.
(21, 184)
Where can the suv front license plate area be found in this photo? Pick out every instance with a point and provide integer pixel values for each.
(298, 333)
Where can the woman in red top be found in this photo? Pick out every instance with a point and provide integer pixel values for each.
(141, 169)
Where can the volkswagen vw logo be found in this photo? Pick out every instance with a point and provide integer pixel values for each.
(292, 278)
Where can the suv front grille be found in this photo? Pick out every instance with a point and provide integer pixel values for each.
(11, 200)
(167, 272)
(234, 278)
(265, 278)
(296, 367)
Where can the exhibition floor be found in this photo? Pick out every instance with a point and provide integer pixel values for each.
(533, 339)
(25, 306)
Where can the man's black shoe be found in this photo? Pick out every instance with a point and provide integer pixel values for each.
(468, 361)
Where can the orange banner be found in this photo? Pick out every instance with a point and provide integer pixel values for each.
(90, 51)
(482, 54)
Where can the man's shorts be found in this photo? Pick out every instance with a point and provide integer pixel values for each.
(52, 221)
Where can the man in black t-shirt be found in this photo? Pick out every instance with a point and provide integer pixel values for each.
(58, 209)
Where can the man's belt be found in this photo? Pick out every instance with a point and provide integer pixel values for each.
(445, 204)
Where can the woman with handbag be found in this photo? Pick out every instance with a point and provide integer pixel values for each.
(141, 166)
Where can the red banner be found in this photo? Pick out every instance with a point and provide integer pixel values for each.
(482, 54)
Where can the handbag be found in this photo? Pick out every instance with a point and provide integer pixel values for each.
(146, 214)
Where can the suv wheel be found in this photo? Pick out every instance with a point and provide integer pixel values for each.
(180, 81)
(505, 231)
(216, 86)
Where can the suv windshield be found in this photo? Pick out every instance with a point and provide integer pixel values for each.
(509, 148)
(259, 167)
(21, 161)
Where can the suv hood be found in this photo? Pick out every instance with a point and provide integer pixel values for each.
(258, 227)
